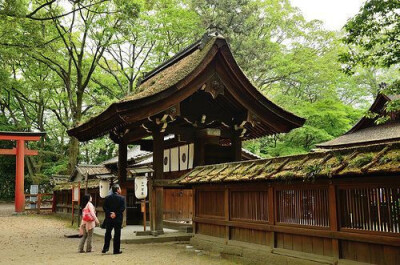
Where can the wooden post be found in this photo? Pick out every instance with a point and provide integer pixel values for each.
(19, 177)
(122, 162)
(79, 202)
(333, 220)
(73, 210)
(194, 210)
(122, 165)
(271, 214)
(143, 208)
(54, 203)
(199, 152)
(158, 191)
(38, 202)
(227, 210)
(236, 146)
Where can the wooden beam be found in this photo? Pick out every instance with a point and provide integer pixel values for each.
(13, 151)
(16, 138)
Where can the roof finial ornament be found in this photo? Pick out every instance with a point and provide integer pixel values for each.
(212, 31)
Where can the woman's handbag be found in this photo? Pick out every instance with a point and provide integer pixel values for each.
(86, 215)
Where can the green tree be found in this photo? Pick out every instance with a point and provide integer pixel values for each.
(373, 39)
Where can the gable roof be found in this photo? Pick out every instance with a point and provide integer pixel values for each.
(389, 132)
(365, 131)
(89, 171)
(171, 82)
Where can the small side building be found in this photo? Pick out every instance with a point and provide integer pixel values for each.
(89, 178)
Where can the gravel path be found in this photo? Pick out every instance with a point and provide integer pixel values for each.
(39, 239)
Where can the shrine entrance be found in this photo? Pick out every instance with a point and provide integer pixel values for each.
(20, 152)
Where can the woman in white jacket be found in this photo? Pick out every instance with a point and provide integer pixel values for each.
(88, 223)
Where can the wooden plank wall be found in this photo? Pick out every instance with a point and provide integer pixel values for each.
(178, 204)
(307, 217)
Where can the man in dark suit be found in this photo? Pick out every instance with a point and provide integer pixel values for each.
(114, 206)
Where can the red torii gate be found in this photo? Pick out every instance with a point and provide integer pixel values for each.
(20, 152)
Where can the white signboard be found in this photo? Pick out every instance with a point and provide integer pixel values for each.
(34, 189)
(75, 193)
(141, 187)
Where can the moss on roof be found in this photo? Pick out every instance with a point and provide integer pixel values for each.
(92, 183)
(373, 159)
(172, 74)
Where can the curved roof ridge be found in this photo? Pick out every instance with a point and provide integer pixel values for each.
(170, 78)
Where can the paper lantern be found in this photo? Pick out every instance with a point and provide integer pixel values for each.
(104, 188)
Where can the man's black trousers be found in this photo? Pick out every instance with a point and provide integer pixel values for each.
(110, 225)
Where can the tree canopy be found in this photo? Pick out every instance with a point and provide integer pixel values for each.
(65, 61)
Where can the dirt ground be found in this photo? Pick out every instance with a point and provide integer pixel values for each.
(39, 239)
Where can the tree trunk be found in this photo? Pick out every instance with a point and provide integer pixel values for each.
(73, 154)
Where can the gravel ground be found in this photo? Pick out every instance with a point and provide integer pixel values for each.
(39, 239)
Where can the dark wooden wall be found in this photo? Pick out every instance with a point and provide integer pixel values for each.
(345, 219)
(178, 204)
(63, 201)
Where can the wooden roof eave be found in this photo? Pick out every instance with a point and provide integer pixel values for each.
(97, 126)
(171, 96)
(257, 102)
(381, 99)
(142, 107)
(121, 113)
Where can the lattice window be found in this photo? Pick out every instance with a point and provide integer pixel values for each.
(370, 208)
(303, 207)
(249, 205)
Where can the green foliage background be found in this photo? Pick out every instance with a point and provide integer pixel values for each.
(62, 62)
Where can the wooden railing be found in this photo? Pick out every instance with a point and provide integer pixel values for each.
(43, 202)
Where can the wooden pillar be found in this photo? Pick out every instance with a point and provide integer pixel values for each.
(227, 210)
(19, 177)
(271, 214)
(122, 165)
(199, 152)
(236, 146)
(194, 210)
(157, 191)
(122, 162)
(333, 219)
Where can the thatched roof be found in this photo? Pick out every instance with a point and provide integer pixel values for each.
(367, 160)
(169, 84)
(173, 72)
